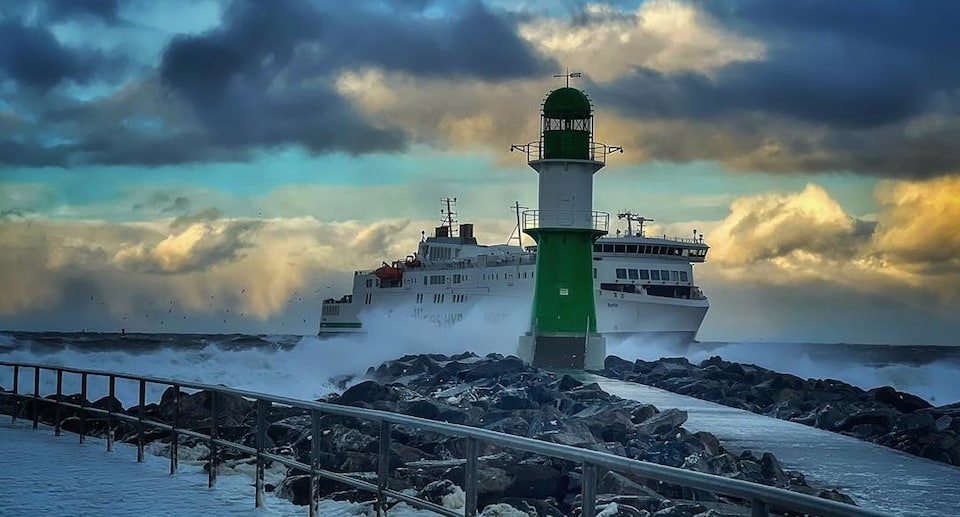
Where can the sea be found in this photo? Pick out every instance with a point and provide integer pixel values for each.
(309, 367)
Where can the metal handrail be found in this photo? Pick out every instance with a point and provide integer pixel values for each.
(596, 151)
(599, 221)
(762, 497)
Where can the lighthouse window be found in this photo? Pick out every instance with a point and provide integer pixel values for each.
(633, 274)
(654, 274)
(683, 276)
(644, 274)
(674, 276)
(621, 273)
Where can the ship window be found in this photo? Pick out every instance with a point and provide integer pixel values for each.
(369, 282)
(619, 248)
(621, 273)
(594, 274)
(648, 249)
(597, 248)
(683, 276)
(608, 248)
(654, 274)
(674, 276)
(441, 298)
(664, 275)
(424, 280)
(655, 250)
(633, 274)
(644, 274)
(632, 248)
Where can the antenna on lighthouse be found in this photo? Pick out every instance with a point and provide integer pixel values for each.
(568, 75)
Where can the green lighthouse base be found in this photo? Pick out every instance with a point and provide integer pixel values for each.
(574, 351)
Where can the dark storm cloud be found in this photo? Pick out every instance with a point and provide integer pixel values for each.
(33, 57)
(473, 43)
(839, 87)
(264, 76)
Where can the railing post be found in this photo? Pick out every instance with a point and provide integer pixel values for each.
(383, 467)
(113, 395)
(174, 436)
(262, 408)
(16, 391)
(214, 414)
(56, 404)
(588, 498)
(140, 415)
(36, 396)
(759, 508)
(314, 462)
(83, 400)
(470, 479)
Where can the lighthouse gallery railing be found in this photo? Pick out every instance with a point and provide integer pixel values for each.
(762, 497)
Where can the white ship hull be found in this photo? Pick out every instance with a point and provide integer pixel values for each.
(618, 314)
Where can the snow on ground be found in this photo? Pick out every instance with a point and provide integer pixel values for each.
(43, 474)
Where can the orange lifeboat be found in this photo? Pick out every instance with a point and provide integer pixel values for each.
(388, 273)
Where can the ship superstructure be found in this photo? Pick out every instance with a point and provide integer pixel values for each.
(642, 285)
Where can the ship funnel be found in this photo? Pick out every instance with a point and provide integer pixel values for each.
(466, 231)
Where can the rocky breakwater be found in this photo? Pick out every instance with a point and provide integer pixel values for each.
(495, 393)
(880, 415)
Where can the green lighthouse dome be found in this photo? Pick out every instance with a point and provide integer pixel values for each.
(566, 125)
(566, 103)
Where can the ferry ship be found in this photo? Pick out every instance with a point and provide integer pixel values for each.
(643, 285)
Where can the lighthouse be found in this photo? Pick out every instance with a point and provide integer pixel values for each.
(563, 326)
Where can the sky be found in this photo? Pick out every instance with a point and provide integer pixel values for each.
(223, 165)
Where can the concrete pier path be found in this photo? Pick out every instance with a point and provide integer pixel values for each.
(877, 477)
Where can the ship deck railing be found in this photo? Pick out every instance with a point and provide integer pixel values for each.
(762, 498)
(664, 237)
(519, 259)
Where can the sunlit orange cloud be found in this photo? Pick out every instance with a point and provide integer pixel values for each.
(791, 238)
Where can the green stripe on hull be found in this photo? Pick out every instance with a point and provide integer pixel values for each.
(563, 298)
(344, 325)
